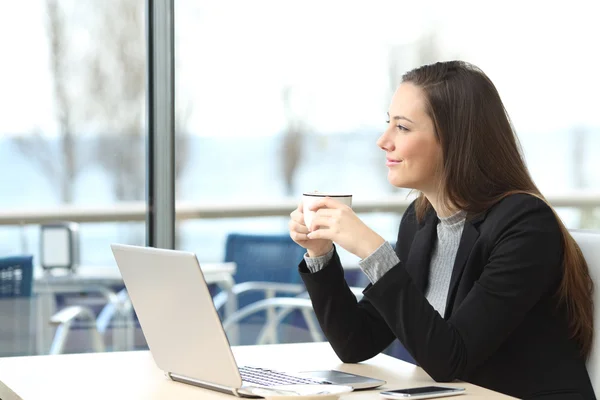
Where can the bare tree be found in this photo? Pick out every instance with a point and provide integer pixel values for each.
(115, 79)
(58, 159)
(291, 144)
(116, 82)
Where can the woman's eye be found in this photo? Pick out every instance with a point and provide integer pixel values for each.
(402, 128)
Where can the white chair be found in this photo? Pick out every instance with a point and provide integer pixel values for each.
(281, 308)
(116, 315)
(589, 242)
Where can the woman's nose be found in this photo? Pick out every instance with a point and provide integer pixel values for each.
(385, 143)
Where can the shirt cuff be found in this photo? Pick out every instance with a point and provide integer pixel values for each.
(315, 264)
(379, 262)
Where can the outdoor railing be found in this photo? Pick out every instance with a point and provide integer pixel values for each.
(131, 212)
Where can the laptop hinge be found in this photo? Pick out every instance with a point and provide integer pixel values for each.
(204, 385)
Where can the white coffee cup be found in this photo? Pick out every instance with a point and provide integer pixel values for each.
(308, 199)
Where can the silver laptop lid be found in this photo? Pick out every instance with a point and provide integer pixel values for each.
(177, 315)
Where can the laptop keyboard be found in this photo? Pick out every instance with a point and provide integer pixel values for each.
(266, 377)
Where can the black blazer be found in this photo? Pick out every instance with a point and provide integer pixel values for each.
(503, 328)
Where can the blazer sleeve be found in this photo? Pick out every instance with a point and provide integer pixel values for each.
(523, 266)
(355, 329)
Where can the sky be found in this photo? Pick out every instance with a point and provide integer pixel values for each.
(235, 57)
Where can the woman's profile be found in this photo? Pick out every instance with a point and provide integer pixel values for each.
(485, 284)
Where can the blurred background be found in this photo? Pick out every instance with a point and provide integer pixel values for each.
(272, 99)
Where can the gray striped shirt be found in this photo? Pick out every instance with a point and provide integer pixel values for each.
(449, 232)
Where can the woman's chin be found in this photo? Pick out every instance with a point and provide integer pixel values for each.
(400, 183)
(397, 181)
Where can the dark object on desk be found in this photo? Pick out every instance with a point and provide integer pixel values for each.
(335, 377)
(423, 392)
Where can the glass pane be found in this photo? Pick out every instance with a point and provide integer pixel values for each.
(72, 149)
(272, 104)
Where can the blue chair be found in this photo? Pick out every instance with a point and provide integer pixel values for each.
(264, 263)
(267, 267)
(397, 350)
(17, 308)
(16, 276)
(266, 258)
(263, 260)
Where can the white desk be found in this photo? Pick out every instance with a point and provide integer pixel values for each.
(133, 375)
(84, 277)
(100, 279)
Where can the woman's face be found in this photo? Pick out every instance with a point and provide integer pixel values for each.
(412, 149)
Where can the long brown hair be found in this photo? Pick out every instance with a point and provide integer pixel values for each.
(470, 119)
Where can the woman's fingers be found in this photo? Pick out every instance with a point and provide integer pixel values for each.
(321, 234)
(297, 217)
(328, 212)
(297, 231)
(298, 237)
(296, 227)
(321, 222)
(327, 202)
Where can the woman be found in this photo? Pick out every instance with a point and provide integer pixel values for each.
(485, 285)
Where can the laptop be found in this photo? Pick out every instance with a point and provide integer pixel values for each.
(184, 333)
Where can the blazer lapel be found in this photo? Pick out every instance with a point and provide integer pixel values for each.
(419, 257)
(468, 239)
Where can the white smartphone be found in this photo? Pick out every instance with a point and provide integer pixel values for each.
(424, 392)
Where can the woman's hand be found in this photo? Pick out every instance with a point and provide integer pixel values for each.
(298, 232)
(337, 222)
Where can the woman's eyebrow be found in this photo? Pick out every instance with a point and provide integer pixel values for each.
(399, 117)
